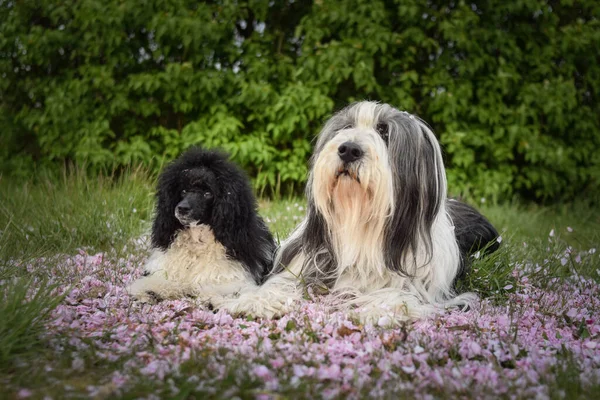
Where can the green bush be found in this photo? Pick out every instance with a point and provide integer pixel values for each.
(511, 88)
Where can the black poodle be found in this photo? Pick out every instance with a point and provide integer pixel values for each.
(208, 238)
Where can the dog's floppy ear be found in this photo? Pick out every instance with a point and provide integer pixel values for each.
(165, 224)
(420, 192)
(237, 225)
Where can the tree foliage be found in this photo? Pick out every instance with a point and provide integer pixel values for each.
(511, 88)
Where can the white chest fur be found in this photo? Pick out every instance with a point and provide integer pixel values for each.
(196, 265)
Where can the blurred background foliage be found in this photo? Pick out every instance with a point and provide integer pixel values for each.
(511, 88)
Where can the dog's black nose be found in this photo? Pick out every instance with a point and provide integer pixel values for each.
(183, 208)
(349, 151)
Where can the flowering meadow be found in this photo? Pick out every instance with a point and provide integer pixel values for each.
(534, 334)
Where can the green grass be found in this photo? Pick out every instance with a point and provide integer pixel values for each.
(534, 234)
(22, 318)
(54, 216)
(59, 215)
(525, 223)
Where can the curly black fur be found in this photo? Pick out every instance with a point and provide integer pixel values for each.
(231, 214)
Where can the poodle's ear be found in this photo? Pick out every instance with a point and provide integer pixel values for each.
(237, 225)
(165, 224)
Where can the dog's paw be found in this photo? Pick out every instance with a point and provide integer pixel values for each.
(248, 305)
(378, 318)
(385, 315)
(147, 297)
(202, 303)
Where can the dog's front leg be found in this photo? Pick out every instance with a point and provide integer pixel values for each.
(275, 297)
(156, 287)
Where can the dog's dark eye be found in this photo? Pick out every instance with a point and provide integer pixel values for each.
(208, 195)
(347, 126)
(383, 131)
(183, 193)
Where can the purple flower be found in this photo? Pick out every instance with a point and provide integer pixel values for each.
(24, 393)
(262, 372)
(509, 349)
(409, 369)
(329, 372)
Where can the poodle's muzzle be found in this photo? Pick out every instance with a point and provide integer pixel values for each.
(194, 208)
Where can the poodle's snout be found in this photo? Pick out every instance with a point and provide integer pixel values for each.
(183, 208)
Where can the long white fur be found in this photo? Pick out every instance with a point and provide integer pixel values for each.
(195, 265)
(356, 215)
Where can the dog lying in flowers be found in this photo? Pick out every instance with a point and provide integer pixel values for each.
(207, 237)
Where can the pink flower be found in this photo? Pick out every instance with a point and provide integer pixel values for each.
(572, 313)
(348, 358)
(277, 363)
(409, 369)
(262, 372)
(474, 348)
(331, 372)
(24, 393)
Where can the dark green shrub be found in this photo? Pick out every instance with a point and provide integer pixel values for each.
(511, 88)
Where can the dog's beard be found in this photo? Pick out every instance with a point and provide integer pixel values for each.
(185, 220)
(355, 200)
(345, 171)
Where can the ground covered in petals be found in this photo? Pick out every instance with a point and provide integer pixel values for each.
(540, 332)
(68, 329)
